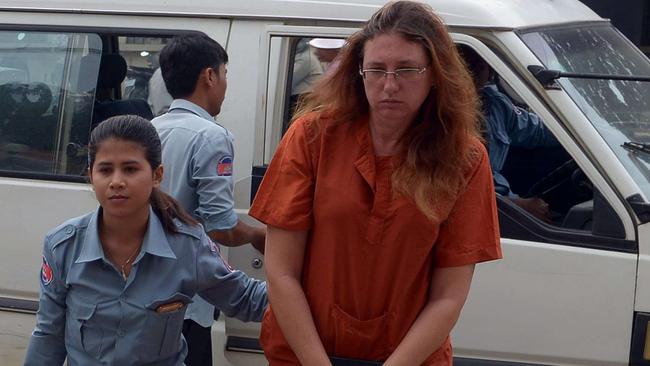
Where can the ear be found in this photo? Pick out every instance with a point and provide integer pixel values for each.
(157, 176)
(204, 78)
(212, 75)
(89, 172)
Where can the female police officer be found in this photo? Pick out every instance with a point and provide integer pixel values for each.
(115, 283)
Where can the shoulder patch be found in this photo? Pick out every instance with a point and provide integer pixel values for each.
(214, 248)
(224, 166)
(46, 273)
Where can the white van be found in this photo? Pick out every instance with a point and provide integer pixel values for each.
(572, 292)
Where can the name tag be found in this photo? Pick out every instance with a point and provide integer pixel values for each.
(168, 308)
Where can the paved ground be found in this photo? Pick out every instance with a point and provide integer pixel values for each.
(15, 329)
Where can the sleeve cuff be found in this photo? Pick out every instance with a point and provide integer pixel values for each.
(224, 221)
(473, 257)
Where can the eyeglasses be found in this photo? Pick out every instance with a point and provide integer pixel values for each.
(405, 74)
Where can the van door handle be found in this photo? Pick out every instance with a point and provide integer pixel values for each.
(257, 263)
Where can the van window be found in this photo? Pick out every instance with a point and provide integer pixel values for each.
(143, 79)
(310, 59)
(56, 86)
(46, 92)
(619, 110)
(542, 193)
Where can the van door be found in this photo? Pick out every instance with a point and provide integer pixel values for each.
(564, 291)
(282, 49)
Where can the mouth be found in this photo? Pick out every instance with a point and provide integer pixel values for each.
(390, 102)
(118, 198)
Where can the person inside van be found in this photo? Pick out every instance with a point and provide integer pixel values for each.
(379, 201)
(198, 155)
(116, 282)
(327, 51)
(507, 125)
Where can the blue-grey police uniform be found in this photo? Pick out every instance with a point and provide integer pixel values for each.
(509, 125)
(198, 154)
(90, 314)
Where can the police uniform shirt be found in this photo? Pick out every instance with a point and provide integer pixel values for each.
(198, 154)
(509, 125)
(89, 313)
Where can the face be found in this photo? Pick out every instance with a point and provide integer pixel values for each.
(123, 179)
(393, 98)
(219, 83)
(326, 55)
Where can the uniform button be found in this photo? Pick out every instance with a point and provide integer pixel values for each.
(68, 230)
(120, 333)
(123, 298)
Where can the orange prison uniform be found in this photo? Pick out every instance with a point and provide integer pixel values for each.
(370, 255)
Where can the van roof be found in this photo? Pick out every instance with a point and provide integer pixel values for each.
(472, 13)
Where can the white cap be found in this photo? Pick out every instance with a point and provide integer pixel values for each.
(327, 43)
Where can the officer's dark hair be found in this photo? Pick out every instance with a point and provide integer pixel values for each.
(140, 131)
(183, 59)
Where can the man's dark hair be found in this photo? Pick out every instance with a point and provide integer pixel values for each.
(183, 59)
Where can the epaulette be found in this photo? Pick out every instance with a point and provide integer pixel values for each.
(194, 231)
(66, 230)
(60, 234)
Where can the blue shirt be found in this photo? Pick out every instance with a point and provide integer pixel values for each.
(89, 313)
(198, 154)
(509, 125)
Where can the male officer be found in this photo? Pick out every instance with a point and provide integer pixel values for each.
(198, 159)
(507, 125)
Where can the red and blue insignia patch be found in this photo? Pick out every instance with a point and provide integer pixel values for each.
(46, 273)
(224, 166)
(214, 248)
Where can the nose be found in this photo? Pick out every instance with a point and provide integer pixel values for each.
(391, 84)
(116, 182)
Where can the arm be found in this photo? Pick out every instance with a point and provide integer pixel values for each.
(47, 344)
(241, 234)
(284, 260)
(212, 166)
(527, 130)
(449, 289)
(301, 65)
(232, 291)
(535, 206)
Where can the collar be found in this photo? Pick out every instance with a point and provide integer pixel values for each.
(154, 242)
(365, 159)
(490, 88)
(184, 104)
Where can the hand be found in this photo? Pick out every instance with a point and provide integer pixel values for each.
(535, 206)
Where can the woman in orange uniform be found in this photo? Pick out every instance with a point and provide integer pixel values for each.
(378, 201)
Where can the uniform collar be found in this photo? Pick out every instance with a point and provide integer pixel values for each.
(191, 107)
(490, 88)
(154, 242)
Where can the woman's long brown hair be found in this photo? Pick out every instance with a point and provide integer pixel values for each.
(438, 147)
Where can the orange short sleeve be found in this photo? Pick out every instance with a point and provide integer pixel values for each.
(285, 196)
(471, 232)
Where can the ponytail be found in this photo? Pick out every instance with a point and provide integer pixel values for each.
(167, 209)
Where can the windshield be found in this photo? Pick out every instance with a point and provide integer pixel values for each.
(620, 110)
